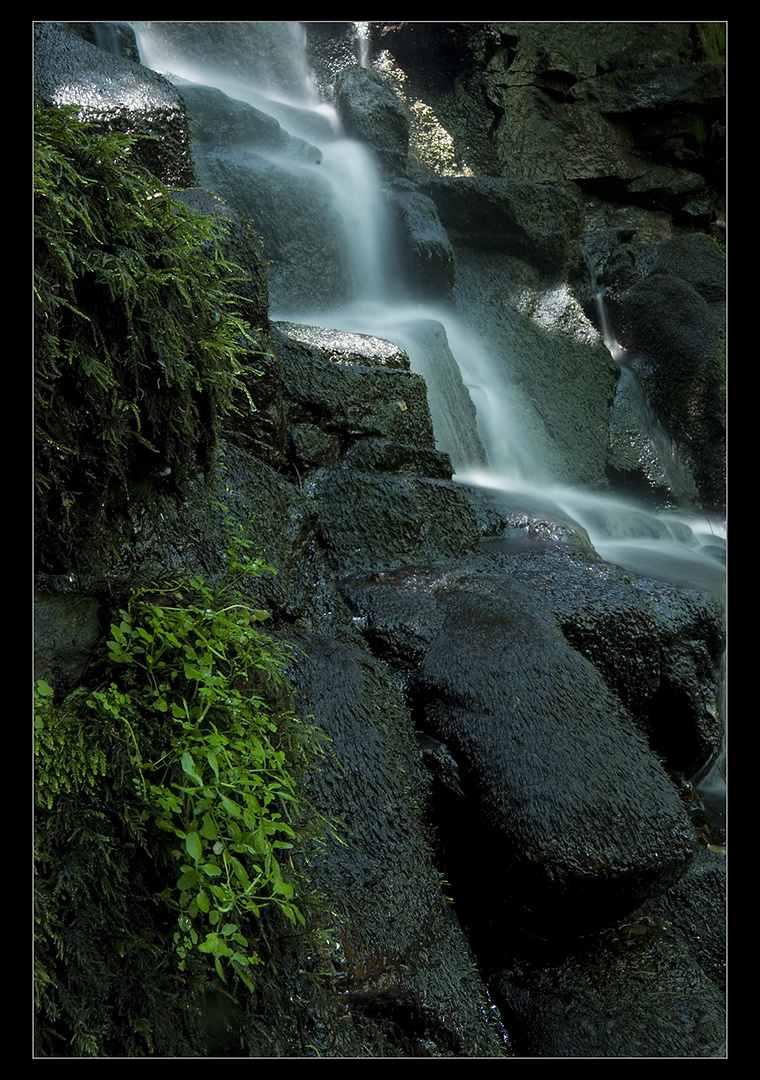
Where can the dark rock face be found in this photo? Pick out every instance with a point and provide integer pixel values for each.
(675, 318)
(604, 997)
(67, 631)
(428, 252)
(399, 958)
(354, 510)
(532, 222)
(581, 102)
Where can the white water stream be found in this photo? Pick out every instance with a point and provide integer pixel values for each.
(678, 548)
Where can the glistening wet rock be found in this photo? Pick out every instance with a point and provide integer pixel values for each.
(403, 973)
(650, 986)
(634, 992)
(115, 94)
(568, 800)
(354, 510)
(353, 386)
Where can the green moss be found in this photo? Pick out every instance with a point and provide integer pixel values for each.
(139, 347)
(713, 39)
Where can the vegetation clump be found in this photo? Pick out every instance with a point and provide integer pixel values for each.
(140, 349)
(168, 809)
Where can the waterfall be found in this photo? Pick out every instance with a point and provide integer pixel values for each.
(477, 411)
(270, 71)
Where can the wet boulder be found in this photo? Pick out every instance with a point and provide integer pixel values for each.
(428, 254)
(403, 982)
(564, 795)
(376, 455)
(634, 993)
(377, 521)
(371, 113)
(531, 221)
(115, 94)
(218, 120)
(351, 386)
(657, 645)
(650, 986)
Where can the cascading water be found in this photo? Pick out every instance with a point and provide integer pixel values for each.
(480, 426)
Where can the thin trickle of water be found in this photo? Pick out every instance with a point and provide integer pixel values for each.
(363, 46)
(617, 352)
(666, 459)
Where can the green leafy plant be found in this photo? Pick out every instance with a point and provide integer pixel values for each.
(224, 788)
(140, 348)
(83, 764)
(197, 694)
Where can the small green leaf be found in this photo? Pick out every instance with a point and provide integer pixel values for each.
(194, 846)
(188, 767)
(232, 808)
(210, 831)
(189, 880)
